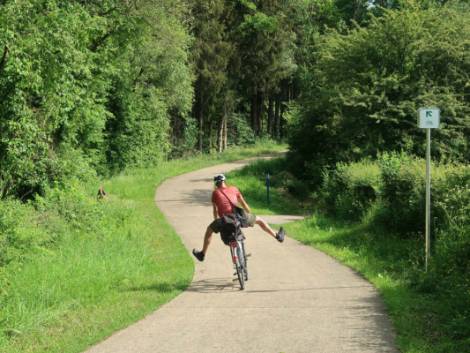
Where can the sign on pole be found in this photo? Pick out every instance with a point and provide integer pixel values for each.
(428, 118)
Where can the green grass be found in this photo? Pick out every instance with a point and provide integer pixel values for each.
(114, 262)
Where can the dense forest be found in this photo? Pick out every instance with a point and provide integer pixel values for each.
(97, 86)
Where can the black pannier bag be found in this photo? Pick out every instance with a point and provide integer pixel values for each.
(231, 229)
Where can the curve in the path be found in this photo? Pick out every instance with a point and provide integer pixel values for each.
(297, 299)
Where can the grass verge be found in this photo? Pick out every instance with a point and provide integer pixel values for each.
(109, 263)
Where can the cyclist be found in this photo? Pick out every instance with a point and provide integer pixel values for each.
(223, 197)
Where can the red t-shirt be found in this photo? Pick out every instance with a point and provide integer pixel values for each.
(223, 204)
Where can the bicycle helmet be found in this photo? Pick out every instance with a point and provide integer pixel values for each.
(219, 178)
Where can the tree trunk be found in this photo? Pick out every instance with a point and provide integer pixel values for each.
(211, 138)
(270, 116)
(277, 117)
(199, 114)
(225, 133)
(281, 122)
(221, 133)
(254, 110)
(260, 115)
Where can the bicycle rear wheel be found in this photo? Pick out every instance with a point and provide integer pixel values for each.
(240, 267)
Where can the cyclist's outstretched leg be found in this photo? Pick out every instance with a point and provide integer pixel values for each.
(279, 235)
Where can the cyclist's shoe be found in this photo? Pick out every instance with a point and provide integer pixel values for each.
(280, 235)
(198, 255)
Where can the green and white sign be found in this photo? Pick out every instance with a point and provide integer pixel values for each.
(428, 118)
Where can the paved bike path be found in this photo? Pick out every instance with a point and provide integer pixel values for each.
(296, 300)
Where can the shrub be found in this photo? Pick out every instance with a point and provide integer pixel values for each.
(350, 189)
(20, 232)
(451, 195)
(450, 262)
(403, 193)
(240, 132)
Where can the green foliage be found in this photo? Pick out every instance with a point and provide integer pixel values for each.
(98, 83)
(212, 52)
(399, 209)
(17, 237)
(240, 132)
(403, 192)
(369, 82)
(265, 42)
(46, 100)
(349, 190)
(393, 189)
(151, 89)
(451, 196)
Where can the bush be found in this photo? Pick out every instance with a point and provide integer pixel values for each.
(240, 132)
(403, 193)
(20, 231)
(349, 190)
(38, 225)
(451, 195)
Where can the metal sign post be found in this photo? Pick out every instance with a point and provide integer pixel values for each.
(428, 118)
(428, 198)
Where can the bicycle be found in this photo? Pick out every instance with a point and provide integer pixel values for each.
(232, 235)
(238, 254)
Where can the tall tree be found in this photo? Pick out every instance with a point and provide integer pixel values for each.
(265, 43)
(212, 51)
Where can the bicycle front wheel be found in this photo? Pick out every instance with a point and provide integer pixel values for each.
(245, 264)
(240, 266)
(235, 252)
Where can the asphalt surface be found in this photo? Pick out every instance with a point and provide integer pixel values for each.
(296, 300)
